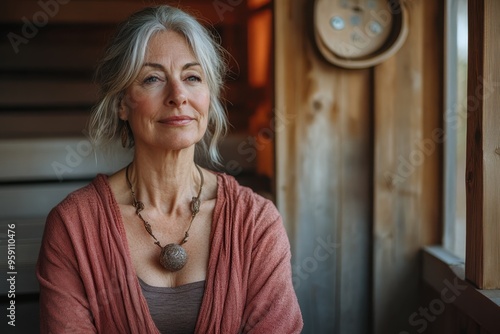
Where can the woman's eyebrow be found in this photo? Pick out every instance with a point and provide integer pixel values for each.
(155, 65)
(188, 65)
(161, 67)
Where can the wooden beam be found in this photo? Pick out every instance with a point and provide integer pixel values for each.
(483, 146)
(323, 169)
(433, 123)
(407, 173)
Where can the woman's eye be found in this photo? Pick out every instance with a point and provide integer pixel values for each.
(194, 78)
(151, 79)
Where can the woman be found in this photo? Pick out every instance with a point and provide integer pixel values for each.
(164, 245)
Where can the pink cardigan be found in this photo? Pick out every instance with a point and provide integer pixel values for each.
(88, 283)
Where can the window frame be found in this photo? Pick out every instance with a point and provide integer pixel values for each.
(482, 267)
(481, 240)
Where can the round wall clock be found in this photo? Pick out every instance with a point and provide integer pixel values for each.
(359, 33)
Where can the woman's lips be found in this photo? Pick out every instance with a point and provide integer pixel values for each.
(176, 120)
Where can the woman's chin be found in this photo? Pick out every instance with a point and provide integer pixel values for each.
(169, 145)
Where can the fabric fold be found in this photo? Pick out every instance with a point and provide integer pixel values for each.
(88, 283)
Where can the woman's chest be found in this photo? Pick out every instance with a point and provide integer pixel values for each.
(145, 245)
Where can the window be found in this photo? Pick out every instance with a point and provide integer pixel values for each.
(455, 125)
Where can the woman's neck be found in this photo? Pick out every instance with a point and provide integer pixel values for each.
(166, 182)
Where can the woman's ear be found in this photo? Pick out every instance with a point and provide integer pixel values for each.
(123, 108)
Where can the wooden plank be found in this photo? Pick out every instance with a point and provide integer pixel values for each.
(445, 321)
(483, 146)
(55, 49)
(323, 171)
(69, 158)
(474, 165)
(49, 58)
(397, 205)
(20, 201)
(35, 93)
(491, 146)
(35, 124)
(28, 234)
(444, 272)
(407, 194)
(354, 184)
(57, 159)
(432, 216)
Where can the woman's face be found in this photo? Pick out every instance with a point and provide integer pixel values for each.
(167, 104)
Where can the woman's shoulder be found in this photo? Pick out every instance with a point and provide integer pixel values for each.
(251, 216)
(233, 188)
(80, 211)
(244, 199)
(86, 197)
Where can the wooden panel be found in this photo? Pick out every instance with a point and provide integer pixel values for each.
(35, 93)
(432, 216)
(323, 174)
(474, 311)
(407, 202)
(26, 124)
(69, 158)
(55, 49)
(452, 320)
(57, 159)
(474, 165)
(483, 146)
(33, 200)
(26, 206)
(353, 189)
(28, 233)
(397, 204)
(491, 145)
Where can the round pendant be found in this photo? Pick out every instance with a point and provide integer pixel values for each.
(173, 257)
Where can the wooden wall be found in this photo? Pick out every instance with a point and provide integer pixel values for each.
(408, 165)
(342, 140)
(324, 175)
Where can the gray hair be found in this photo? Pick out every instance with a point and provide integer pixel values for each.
(124, 58)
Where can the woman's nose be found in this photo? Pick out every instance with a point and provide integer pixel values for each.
(176, 94)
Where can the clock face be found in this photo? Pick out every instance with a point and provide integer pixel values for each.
(353, 29)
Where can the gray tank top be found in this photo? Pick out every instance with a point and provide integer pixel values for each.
(174, 310)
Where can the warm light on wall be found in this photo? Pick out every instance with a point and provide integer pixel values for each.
(260, 29)
(259, 48)
(253, 4)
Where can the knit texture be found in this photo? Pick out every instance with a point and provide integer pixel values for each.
(88, 283)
